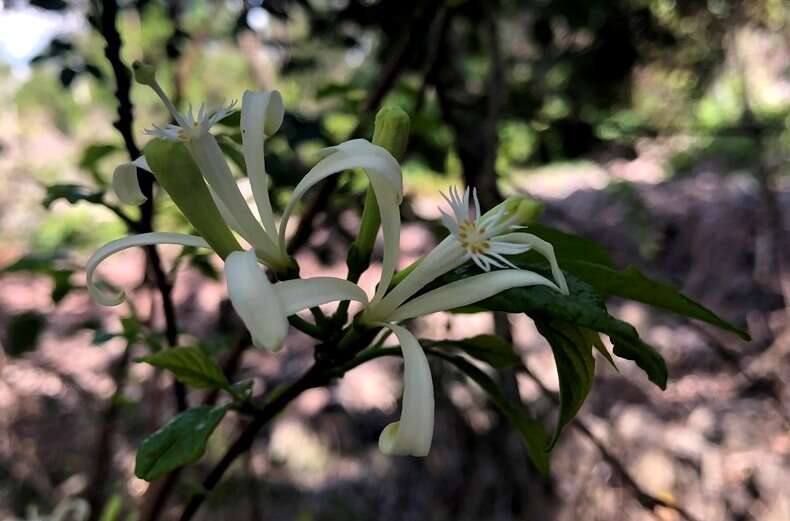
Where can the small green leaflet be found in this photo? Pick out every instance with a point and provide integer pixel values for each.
(532, 431)
(490, 349)
(575, 368)
(71, 193)
(180, 442)
(190, 365)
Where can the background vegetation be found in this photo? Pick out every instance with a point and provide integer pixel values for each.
(659, 128)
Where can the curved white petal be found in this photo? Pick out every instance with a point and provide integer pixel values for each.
(143, 239)
(468, 291)
(207, 154)
(357, 153)
(298, 294)
(125, 183)
(275, 113)
(389, 212)
(255, 120)
(446, 256)
(412, 435)
(544, 248)
(255, 300)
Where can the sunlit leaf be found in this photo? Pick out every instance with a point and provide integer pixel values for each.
(634, 285)
(590, 262)
(180, 442)
(190, 365)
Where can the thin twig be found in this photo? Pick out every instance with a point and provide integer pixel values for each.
(314, 377)
(644, 498)
(124, 124)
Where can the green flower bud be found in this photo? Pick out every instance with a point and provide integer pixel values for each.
(392, 130)
(392, 133)
(144, 73)
(524, 210)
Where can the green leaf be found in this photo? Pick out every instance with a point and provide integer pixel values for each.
(72, 193)
(490, 349)
(33, 263)
(62, 285)
(190, 365)
(180, 442)
(47, 264)
(131, 328)
(100, 337)
(570, 246)
(112, 509)
(594, 338)
(590, 261)
(532, 431)
(634, 285)
(575, 368)
(91, 157)
(584, 307)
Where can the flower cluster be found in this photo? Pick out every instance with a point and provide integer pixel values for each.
(485, 239)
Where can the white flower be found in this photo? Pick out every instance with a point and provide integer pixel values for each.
(484, 239)
(264, 307)
(384, 175)
(261, 115)
(189, 127)
(113, 247)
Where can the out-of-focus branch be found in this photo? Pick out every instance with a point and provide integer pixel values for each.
(391, 71)
(107, 19)
(104, 449)
(473, 118)
(314, 377)
(643, 497)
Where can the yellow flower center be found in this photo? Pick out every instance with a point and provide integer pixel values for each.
(472, 238)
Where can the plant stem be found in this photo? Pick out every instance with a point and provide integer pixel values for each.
(314, 377)
(306, 327)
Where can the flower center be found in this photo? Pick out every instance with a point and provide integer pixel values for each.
(473, 238)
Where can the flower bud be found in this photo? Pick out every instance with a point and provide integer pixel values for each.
(392, 131)
(521, 209)
(144, 73)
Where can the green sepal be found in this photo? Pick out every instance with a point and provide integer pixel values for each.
(177, 173)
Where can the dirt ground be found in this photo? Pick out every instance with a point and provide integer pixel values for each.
(716, 442)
